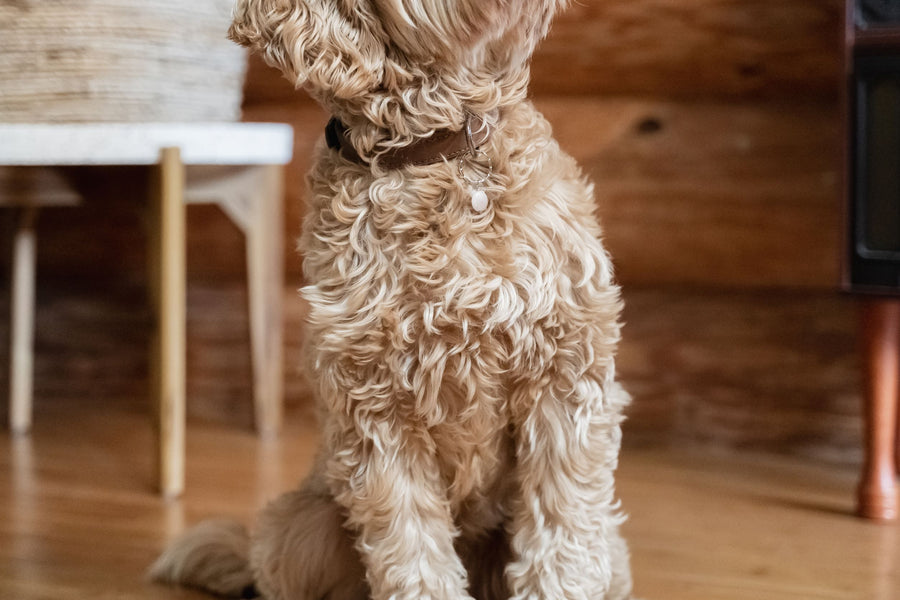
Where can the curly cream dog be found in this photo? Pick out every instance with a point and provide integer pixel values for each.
(462, 328)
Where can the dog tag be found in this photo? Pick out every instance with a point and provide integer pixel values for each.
(479, 200)
(475, 167)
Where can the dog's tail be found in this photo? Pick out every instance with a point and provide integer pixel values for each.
(213, 556)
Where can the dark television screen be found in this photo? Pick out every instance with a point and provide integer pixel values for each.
(874, 173)
(874, 13)
(881, 217)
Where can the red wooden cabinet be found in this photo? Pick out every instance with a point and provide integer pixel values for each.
(872, 260)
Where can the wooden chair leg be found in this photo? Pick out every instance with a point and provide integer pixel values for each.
(265, 274)
(167, 277)
(21, 372)
(877, 494)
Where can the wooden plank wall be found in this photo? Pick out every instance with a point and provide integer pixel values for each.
(711, 129)
(709, 126)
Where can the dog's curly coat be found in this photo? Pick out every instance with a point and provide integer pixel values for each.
(463, 360)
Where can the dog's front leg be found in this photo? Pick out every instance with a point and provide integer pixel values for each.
(391, 489)
(564, 526)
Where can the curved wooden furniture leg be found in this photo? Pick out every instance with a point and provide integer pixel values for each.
(877, 492)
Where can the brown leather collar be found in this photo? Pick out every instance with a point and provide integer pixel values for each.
(443, 145)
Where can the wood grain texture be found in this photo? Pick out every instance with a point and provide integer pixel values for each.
(767, 370)
(690, 49)
(710, 127)
(730, 193)
(711, 193)
(693, 49)
(81, 521)
(774, 371)
(737, 194)
(708, 193)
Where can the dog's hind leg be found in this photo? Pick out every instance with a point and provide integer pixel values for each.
(301, 550)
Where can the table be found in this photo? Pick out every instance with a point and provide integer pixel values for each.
(237, 166)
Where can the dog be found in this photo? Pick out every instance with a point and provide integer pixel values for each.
(462, 327)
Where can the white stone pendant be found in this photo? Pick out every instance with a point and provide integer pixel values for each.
(479, 200)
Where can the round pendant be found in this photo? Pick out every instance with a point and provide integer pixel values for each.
(479, 200)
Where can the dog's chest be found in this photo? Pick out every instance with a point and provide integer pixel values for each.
(426, 289)
(418, 318)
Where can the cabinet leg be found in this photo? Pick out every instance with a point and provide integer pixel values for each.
(877, 494)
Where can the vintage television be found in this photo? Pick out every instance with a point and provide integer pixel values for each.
(872, 109)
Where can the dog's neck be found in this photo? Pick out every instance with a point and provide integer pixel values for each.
(441, 145)
(405, 112)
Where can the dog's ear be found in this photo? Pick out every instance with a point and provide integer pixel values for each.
(432, 27)
(314, 42)
(444, 28)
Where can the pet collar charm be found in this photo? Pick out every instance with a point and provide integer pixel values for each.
(476, 168)
(479, 200)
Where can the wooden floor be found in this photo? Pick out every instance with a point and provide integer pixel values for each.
(81, 520)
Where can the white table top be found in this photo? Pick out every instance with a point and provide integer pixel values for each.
(43, 144)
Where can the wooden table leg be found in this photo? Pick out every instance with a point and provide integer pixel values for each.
(265, 273)
(877, 492)
(167, 276)
(21, 372)
(253, 196)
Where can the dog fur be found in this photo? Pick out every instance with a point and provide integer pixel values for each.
(463, 361)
